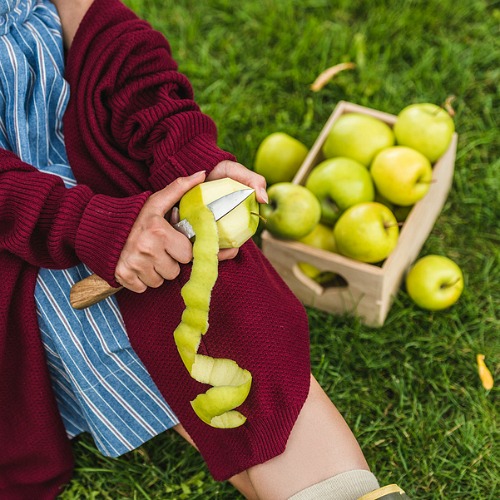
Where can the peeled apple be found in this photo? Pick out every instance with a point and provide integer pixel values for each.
(230, 383)
(237, 226)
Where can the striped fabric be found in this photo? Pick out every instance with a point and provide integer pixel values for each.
(100, 384)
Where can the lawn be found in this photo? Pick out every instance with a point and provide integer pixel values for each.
(410, 389)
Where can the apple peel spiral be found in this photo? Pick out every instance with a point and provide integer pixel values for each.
(230, 383)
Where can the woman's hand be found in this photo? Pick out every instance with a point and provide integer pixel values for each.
(154, 249)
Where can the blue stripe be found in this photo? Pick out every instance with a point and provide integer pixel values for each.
(101, 385)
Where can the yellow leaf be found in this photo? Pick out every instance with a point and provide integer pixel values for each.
(325, 76)
(484, 373)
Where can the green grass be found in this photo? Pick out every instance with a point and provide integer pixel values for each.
(410, 389)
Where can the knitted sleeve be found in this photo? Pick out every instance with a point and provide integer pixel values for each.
(119, 67)
(48, 225)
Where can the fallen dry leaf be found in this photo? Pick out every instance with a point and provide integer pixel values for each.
(484, 373)
(325, 76)
(448, 105)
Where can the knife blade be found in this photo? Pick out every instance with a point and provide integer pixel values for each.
(219, 207)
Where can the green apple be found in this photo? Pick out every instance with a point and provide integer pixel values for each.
(236, 227)
(292, 212)
(320, 237)
(358, 136)
(425, 127)
(434, 282)
(278, 157)
(367, 232)
(339, 183)
(401, 174)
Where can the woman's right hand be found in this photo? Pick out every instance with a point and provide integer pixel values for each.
(154, 249)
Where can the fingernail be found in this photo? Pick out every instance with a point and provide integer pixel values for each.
(263, 194)
(201, 172)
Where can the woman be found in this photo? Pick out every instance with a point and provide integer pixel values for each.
(134, 142)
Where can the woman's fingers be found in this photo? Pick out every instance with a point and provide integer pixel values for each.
(228, 253)
(242, 174)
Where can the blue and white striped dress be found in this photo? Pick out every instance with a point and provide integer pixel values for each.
(100, 384)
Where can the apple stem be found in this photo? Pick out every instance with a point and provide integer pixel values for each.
(449, 285)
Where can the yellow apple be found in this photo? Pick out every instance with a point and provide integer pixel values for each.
(401, 175)
(320, 237)
(292, 212)
(425, 127)
(339, 183)
(367, 232)
(434, 282)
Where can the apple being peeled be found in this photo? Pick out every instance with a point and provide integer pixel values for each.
(339, 183)
(358, 136)
(237, 226)
(292, 212)
(320, 237)
(434, 282)
(425, 127)
(367, 232)
(402, 175)
(278, 157)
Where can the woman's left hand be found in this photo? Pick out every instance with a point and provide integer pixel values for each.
(242, 174)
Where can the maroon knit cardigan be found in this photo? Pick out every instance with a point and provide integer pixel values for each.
(131, 128)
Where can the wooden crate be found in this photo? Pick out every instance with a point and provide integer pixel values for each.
(369, 290)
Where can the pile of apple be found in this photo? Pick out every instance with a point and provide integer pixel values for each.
(354, 202)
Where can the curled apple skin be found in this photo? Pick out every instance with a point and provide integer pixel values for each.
(230, 383)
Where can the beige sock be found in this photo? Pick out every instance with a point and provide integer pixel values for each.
(346, 486)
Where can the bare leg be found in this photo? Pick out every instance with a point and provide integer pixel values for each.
(240, 481)
(320, 446)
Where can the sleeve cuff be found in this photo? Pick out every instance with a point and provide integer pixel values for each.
(103, 231)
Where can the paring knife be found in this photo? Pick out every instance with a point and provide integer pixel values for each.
(219, 207)
(93, 288)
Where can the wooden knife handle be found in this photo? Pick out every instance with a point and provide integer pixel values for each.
(90, 291)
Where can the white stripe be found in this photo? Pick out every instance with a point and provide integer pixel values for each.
(90, 316)
(82, 393)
